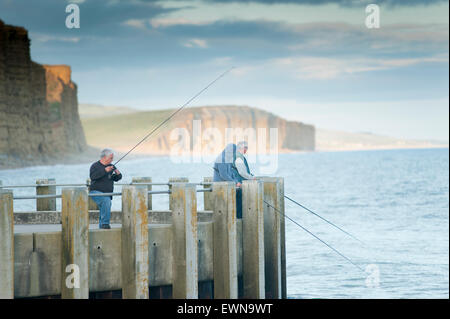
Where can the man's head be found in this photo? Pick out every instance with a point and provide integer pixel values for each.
(242, 147)
(106, 156)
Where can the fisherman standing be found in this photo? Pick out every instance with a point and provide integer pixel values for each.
(231, 165)
(241, 163)
(103, 175)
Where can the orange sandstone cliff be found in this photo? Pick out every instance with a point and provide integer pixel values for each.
(39, 118)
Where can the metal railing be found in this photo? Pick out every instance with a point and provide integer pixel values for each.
(86, 184)
(103, 194)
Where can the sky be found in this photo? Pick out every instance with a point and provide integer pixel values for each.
(313, 61)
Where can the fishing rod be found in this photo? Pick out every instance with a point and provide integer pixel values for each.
(307, 209)
(309, 232)
(173, 114)
(310, 211)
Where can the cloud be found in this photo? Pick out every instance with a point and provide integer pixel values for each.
(135, 23)
(333, 68)
(196, 43)
(166, 22)
(343, 38)
(344, 3)
(97, 18)
(44, 38)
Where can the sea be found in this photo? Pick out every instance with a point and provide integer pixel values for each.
(394, 202)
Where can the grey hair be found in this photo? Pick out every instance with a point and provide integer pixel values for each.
(242, 144)
(106, 152)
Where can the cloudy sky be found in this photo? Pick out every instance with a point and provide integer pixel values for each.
(308, 60)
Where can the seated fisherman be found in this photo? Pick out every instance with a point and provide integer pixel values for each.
(103, 175)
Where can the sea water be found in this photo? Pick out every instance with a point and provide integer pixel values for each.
(395, 201)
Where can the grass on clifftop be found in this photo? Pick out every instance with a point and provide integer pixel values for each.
(123, 130)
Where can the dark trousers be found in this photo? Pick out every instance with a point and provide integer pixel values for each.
(239, 203)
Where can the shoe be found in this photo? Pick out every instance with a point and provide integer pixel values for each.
(105, 226)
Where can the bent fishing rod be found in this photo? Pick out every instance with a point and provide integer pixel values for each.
(324, 219)
(308, 231)
(315, 236)
(317, 215)
(173, 114)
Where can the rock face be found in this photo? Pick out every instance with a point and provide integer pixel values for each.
(204, 130)
(292, 136)
(39, 118)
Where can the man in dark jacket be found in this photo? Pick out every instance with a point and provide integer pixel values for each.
(103, 175)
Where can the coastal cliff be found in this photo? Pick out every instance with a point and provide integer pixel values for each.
(39, 120)
(123, 130)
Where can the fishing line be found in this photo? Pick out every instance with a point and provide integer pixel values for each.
(309, 232)
(173, 114)
(309, 210)
(329, 246)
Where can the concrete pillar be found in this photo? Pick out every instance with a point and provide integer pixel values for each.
(283, 238)
(6, 245)
(185, 248)
(135, 284)
(208, 202)
(92, 204)
(75, 241)
(45, 204)
(175, 180)
(149, 188)
(272, 238)
(225, 241)
(253, 239)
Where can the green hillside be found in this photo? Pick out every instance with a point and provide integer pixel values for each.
(124, 129)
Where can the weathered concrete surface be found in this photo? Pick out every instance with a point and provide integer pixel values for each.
(105, 266)
(92, 204)
(185, 249)
(225, 241)
(253, 239)
(45, 204)
(149, 188)
(282, 238)
(160, 246)
(37, 268)
(75, 242)
(272, 238)
(6, 245)
(205, 251)
(135, 243)
(208, 200)
(175, 180)
(23, 248)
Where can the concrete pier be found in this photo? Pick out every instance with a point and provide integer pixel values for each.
(253, 239)
(175, 180)
(92, 204)
(272, 238)
(45, 204)
(75, 240)
(6, 245)
(225, 243)
(185, 250)
(149, 188)
(207, 196)
(134, 243)
(179, 253)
